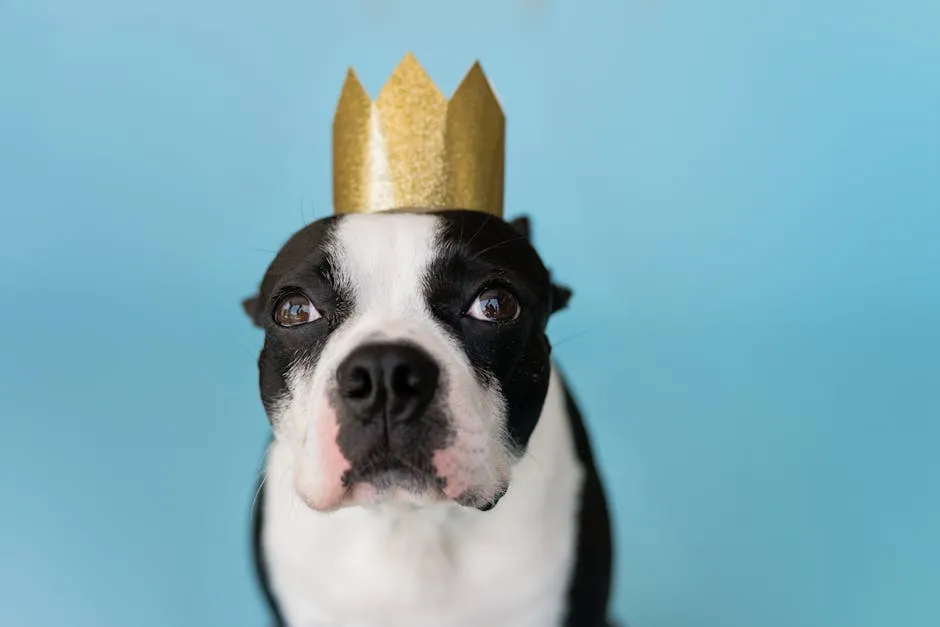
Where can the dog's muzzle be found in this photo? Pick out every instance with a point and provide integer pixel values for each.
(386, 431)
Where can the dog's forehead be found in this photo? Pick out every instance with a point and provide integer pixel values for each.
(386, 244)
(397, 243)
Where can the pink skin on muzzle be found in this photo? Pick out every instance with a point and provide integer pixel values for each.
(448, 467)
(326, 492)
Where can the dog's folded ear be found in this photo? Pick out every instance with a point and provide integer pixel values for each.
(522, 226)
(252, 307)
(560, 293)
(560, 297)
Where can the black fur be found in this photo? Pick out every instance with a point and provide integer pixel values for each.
(479, 252)
(589, 591)
(302, 265)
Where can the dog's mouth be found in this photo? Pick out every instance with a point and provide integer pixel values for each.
(387, 473)
(389, 478)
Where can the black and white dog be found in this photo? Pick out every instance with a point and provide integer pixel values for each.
(428, 467)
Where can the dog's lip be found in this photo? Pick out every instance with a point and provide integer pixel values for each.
(388, 465)
(390, 476)
(364, 492)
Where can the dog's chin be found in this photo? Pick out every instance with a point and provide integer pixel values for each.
(402, 496)
(392, 495)
(403, 490)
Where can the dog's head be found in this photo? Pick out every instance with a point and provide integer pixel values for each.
(405, 355)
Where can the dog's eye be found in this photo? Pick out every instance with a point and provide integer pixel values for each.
(295, 310)
(495, 305)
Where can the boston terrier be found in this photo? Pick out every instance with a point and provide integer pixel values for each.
(428, 465)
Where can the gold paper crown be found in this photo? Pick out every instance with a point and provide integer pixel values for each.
(412, 149)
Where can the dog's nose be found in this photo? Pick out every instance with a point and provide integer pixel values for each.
(394, 381)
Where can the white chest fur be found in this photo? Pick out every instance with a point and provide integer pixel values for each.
(445, 566)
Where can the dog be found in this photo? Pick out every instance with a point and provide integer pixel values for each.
(429, 466)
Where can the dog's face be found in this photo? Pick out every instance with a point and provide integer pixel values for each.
(405, 355)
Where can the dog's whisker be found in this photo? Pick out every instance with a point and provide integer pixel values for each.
(254, 501)
(511, 240)
(292, 496)
(478, 231)
(313, 211)
(247, 350)
(577, 335)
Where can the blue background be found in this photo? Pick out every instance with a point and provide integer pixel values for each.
(745, 195)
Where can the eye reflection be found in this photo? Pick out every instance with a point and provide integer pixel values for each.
(495, 305)
(295, 310)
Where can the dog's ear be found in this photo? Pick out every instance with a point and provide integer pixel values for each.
(560, 297)
(252, 307)
(560, 294)
(521, 224)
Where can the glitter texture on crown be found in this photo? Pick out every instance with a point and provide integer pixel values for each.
(412, 149)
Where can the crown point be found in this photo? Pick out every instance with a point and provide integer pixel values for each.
(475, 80)
(354, 102)
(410, 66)
(475, 139)
(350, 145)
(410, 79)
(353, 95)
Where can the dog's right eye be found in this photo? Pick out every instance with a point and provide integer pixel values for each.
(495, 305)
(294, 310)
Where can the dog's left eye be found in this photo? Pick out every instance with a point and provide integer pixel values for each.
(495, 305)
(294, 310)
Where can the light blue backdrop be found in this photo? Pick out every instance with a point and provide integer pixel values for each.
(745, 195)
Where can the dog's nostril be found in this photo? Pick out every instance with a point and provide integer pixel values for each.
(358, 384)
(405, 380)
